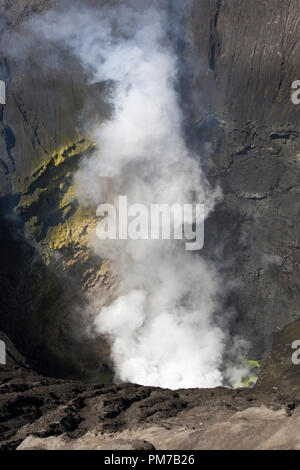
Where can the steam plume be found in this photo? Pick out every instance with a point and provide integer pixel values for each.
(161, 323)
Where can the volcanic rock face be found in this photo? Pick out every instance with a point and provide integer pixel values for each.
(44, 231)
(43, 413)
(248, 53)
(238, 114)
(237, 62)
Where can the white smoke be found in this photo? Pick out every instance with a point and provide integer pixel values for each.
(161, 325)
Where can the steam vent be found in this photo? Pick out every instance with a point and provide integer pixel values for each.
(149, 227)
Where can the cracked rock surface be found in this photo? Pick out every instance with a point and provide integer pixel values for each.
(237, 61)
(45, 413)
(240, 120)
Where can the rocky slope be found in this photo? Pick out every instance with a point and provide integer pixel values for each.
(241, 104)
(44, 231)
(238, 60)
(44, 413)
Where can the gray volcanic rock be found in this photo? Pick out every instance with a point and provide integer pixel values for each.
(281, 370)
(43, 102)
(43, 231)
(237, 62)
(44, 413)
(249, 53)
(239, 111)
(254, 428)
